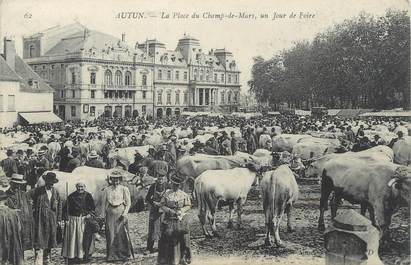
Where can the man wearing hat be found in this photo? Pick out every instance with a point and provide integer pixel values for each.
(43, 163)
(172, 146)
(11, 251)
(134, 167)
(174, 245)
(9, 164)
(153, 198)
(74, 161)
(93, 160)
(20, 162)
(19, 200)
(47, 212)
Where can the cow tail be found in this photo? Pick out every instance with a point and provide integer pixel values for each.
(199, 195)
(271, 196)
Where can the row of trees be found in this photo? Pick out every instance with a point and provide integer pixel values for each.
(363, 62)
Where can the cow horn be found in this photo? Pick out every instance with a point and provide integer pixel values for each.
(392, 182)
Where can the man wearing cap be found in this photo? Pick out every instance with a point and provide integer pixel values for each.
(47, 212)
(116, 202)
(153, 198)
(174, 245)
(11, 250)
(9, 164)
(93, 160)
(19, 200)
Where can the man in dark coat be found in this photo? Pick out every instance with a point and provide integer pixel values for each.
(134, 167)
(19, 200)
(47, 212)
(9, 164)
(64, 158)
(11, 249)
(74, 162)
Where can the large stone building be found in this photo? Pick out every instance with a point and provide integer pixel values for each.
(94, 73)
(24, 97)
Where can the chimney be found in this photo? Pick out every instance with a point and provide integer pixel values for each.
(123, 37)
(9, 52)
(85, 33)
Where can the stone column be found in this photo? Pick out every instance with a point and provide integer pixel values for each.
(204, 91)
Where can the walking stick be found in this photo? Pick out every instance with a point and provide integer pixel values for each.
(65, 220)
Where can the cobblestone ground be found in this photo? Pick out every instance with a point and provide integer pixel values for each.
(245, 245)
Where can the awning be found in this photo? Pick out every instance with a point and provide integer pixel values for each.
(40, 117)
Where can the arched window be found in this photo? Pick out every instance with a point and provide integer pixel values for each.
(31, 50)
(127, 79)
(118, 78)
(108, 78)
(93, 78)
(144, 80)
(229, 97)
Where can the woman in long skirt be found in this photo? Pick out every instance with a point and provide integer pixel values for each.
(174, 245)
(116, 204)
(78, 240)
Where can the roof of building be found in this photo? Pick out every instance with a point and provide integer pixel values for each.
(22, 74)
(27, 74)
(6, 73)
(86, 40)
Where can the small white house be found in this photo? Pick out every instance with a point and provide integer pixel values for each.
(24, 97)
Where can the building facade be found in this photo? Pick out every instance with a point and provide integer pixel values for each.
(97, 74)
(24, 97)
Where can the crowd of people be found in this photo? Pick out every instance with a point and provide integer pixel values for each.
(34, 214)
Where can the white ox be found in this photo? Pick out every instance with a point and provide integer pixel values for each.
(286, 142)
(279, 190)
(126, 155)
(377, 186)
(375, 154)
(402, 151)
(314, 147)
(215, 185)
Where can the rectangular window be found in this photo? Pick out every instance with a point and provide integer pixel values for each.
(73, 93)
(222, 78)
(185, 75)
(73, 78)
(177, 75)
(177, 98)
(169, 75)
(160, 74)
(73, 111)
(159, 98)
(222, 97)
(229, 79)
(185, 98)
(93, 78)
(215, 78)
(10, 103)
(92, 110)
(1, 103)
(93, 94)
(106, 94)
(235, 79)
(144, 94)
(61, 93)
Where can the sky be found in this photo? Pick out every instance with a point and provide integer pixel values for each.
(288, 21)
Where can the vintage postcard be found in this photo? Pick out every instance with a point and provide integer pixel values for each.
(142, 117)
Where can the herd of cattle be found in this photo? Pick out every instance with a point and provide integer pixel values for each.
(379, 178)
